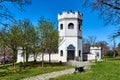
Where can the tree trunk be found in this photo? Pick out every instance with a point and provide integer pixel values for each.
(49, 57)
(42, 59)
(14, 57)
(24, 57)
(34, 57)
(114, 53)
(27, 54)
(4, 58)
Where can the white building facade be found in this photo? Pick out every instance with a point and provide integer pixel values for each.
(70, 36)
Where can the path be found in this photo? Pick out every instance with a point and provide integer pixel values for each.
(58, 73)
(51, 75)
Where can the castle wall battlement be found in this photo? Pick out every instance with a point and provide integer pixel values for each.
(93, 48)
(70, 15)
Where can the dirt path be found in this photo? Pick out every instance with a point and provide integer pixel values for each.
(51, 75)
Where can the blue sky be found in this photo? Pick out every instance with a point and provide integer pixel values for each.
(92, 24)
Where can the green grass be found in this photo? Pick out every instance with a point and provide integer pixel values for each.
(10, 73)
(106, 70)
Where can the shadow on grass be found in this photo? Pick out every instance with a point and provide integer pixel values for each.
(3, 74)
(38, 64)
(25, 67)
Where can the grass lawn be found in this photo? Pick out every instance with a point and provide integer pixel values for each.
(9, 73)
(106, 70)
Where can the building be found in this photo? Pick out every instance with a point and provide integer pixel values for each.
(94, 54)
(70, 39)
(70, 34)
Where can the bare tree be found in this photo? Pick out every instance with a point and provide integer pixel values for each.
(109, 10)
(104, 46)
(85, 46)
(5, 12)
(87, 43)
(91, 40)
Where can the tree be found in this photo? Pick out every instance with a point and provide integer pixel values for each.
(91, 40)
(109, 10)
(29, 38)
(5, 13)
(118, 49)
(48, 36)
(104, 46)
(116, 34)
(35, 42)
(87, 43)
(113, 39)
(52, 42)
(4, 50)
(111, 53)
(12, 40)
(85, 46)
(26, 37)
(20, 34)
(119, 45)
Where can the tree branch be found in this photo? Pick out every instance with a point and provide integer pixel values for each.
(110, 5)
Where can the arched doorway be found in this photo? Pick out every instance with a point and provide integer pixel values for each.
(70, 52)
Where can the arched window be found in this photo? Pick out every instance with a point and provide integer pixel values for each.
(70, 26)
(61, 26)
(79, 53)
(61, 53)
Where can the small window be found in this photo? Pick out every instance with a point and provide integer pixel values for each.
(70, 26)
(79, 53)
(80, 27)
(61, 53)
(61, 26)
(97, 54)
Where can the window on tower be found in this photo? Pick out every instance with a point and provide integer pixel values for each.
(61, 26)
(70, 26)
(80, 23)
(79, 53)
(80, 27)
(61, 53)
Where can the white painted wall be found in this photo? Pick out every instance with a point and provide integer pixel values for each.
(95, 53)
(69, 36)
(54, 57)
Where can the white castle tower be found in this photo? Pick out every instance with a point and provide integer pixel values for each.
(70, 34)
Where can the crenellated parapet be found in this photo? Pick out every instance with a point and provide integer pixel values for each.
(95, 48)
(70, 15)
